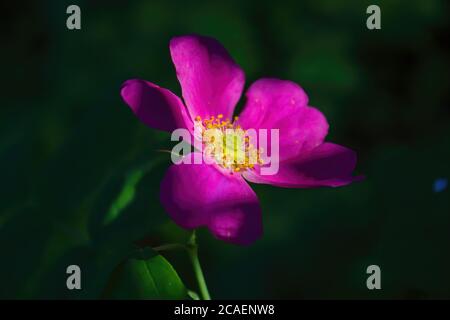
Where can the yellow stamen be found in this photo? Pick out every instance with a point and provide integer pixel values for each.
(233, 150)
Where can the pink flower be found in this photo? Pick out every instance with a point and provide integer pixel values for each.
(198, 195)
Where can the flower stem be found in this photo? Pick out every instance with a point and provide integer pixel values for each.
(193, 254)
(170, 246)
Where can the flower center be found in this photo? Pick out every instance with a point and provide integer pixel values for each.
(227, 143)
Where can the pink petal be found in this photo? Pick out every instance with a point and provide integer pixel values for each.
(211, 81)
(329, 165)
(157, 107)
(280, 104)
(197, 195)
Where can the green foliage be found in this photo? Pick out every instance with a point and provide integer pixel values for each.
(146, 275)
(125, 197)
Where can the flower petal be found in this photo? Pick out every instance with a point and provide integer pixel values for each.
(211, 81)
(329, 165)
(198, 195)
(157, 107)
(281, 104)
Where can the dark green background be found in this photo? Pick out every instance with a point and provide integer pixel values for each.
(68, 144)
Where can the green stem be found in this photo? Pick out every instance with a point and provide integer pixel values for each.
(193, 254)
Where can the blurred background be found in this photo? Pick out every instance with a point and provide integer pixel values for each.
(80, 175)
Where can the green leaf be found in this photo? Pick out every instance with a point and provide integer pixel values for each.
(194, 295)
(147, 275)
(127, 207)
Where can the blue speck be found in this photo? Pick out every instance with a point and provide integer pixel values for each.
(440, 184)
